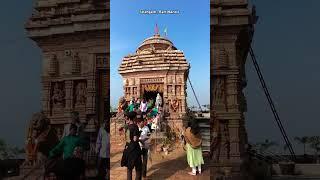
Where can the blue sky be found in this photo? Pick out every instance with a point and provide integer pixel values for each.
(189, 31)
(286, 44)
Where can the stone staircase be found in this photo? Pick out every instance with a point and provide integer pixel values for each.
(204, 124)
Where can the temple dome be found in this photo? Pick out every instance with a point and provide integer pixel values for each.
(158, 42)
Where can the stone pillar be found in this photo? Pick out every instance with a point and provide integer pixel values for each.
(231, 26)
(69, 96)
(91, 95)
(165, 90)
(46, 87)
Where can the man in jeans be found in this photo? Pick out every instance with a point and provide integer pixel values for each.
(144, 137)
(133, 148)
(103, 151)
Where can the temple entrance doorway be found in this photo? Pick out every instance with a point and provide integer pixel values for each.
(151, 95)
(150, 91)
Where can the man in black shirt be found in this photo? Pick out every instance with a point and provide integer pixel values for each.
(133, 149)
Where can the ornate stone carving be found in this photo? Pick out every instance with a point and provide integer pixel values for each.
(58, 96)
(151, 80)
(53, 65)
(223, 58)
(76, 63)
(170, 79)
(221, 140)
(128, 91)
(80, 94)
(169, 48)
(152, 87)
(218, 90)
(162, 66)
(62, 37)
(66, 66)
(132, 82)
(135, 91)
(178, 90)
(170, 89)
(152, 49)
(174, 104)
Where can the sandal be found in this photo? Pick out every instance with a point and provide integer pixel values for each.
(192, 174)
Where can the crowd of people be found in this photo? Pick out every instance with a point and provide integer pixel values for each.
(142, 117)
(135, 154)
(149, 111)
(137, 131)
(66, 158)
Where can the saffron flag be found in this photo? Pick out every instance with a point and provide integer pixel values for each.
(156, 29)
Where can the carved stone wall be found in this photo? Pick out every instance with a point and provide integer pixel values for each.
(231, 26)
(159, 66)
(73, 37)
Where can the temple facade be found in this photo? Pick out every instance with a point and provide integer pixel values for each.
(231, 34)
(74, 39)
(75, 58)
(158, 66)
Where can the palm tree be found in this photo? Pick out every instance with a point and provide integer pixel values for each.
(304, 141)
(314, 142)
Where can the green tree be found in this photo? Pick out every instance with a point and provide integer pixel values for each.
(266, 145)
(3, 149)
(304, 141)
(7, 151)
(314, 143)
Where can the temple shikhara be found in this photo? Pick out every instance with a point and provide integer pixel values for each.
(73, 36)
(158, 66)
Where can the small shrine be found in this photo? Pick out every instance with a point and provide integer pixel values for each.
(158, 66)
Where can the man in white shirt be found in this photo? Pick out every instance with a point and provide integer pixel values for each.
(143, 107)
(144, 143)
(103, 151)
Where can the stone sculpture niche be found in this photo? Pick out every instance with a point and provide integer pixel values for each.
(58, 95)
(80, 93)
(219, 90)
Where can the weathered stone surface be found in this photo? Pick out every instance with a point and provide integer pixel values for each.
(231, 29)
(158, 63)
(73, 36)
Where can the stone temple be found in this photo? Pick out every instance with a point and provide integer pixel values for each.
(158, 66)
(74, 39)
(231, 33)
